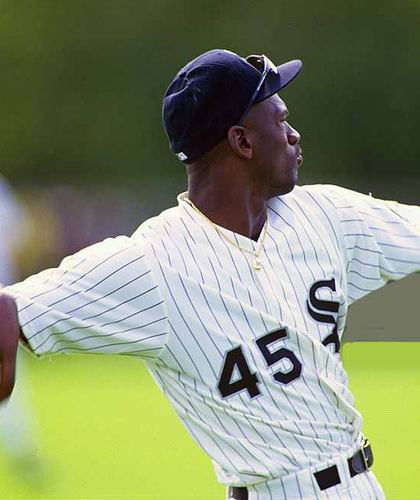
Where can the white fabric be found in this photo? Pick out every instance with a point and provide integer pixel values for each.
(101, 300)
(325, 248)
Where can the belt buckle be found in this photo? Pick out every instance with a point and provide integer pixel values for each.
(365, 444)
(361, 465)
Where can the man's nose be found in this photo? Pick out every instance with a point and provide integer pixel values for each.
(293, 136)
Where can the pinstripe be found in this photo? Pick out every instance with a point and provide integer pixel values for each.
(233, 323)
(190, 331)
(90, 302)
(356, 486)
(277, 437)
(304, 319)
(273, 290)
(68, 313)
(320, 268)
(385, 230)
(373, 278)
(378, 266)
(368, 486)
(360, 288)
(301, 396)
(283, 487)
(187, 230)
(114, 344)
(321, 239)
(378, 217)
(198, 416)
(313, 482)
(269, 492)
(247, 452)
(275, 403)
(181, 296)
(215, 318)
(124, 302)
(168, 254)
(369, 250)
(189, 427)
(345, 221)
(201, 229)
(202, 324)
(389, 258)
(198, 316)
(316, 202)
(239, 334)
(299, 488)
(94, 285)
(79, 328)
(60, 278)
(87, 289)
(404, 261)
(142, 353)
(252, 277)
(364, 235)
(135, 328)
(372, 485)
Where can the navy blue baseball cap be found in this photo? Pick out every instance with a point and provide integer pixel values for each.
(212, 93)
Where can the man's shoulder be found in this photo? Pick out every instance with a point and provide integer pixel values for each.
(322, 190)
(158, 226)
(321, 201)
(309, 194)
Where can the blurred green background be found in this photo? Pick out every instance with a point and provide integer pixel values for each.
(82, 82)
(83, 147)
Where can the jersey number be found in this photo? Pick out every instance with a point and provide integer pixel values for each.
(231, 382)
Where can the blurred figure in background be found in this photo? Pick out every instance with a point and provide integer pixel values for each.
(17, 424)
(13, 220)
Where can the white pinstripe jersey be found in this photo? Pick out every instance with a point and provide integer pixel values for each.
(249, 359)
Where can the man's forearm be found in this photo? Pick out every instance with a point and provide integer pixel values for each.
(9, 340)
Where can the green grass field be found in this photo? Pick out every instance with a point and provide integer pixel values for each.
(106, 431)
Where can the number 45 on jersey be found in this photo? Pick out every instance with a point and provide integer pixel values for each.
(249, 381)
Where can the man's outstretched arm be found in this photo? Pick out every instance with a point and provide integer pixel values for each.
(101, 300)
(9, 340)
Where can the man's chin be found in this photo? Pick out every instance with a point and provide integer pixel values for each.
(284, 188)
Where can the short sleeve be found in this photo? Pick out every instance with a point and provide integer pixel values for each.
(381, 239)
(101, 300)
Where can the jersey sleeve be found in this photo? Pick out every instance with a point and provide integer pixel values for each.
(101, 300)
(381, 239)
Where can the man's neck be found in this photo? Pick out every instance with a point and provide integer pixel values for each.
(229, 202)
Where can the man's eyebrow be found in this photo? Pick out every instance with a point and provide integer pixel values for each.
(283, 113)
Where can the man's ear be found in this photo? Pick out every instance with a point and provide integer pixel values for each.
(239, 141)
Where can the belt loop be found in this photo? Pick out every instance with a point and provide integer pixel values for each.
(237, 493)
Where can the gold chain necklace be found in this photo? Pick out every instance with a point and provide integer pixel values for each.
(256, 260)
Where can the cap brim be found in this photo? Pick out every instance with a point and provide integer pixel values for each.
(275, 82)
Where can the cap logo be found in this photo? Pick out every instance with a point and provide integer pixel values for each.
(182, 156)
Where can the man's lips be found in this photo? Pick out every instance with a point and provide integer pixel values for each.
(299, 159)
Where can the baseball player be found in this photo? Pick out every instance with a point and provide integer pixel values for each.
(237, 297)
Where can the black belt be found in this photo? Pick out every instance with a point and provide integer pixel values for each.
(361, 461)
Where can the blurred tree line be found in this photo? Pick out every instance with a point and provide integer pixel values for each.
(82, 82)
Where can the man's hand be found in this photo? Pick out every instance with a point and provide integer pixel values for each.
(9, 340)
